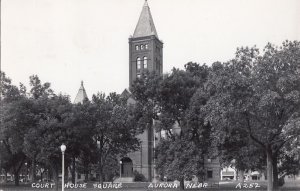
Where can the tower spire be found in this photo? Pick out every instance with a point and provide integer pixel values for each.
(81, 95)
(146, 3)
(145, 48)
(145, 25)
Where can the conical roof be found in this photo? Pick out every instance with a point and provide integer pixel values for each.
(145, 25)
(81, 95)
(125, 94)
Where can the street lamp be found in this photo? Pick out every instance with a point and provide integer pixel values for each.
(120, 169)
(26, 168)
(63, 148)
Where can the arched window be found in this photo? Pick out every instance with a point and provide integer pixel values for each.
(146, 46)
(137, 47)
(142, 47)
(138, 64)
(145, 62)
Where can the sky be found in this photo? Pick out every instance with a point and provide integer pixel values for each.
(66, 41)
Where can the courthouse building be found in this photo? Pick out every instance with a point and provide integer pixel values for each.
(146, 54)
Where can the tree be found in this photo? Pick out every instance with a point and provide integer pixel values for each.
(38, 89)
(145, 91)
(35, 124)
(260, 96)
(113, 128)
(46, 119)
(242, 155)
(14, 123)
(179, 159)
(46, 108)
(175, 92)
(83, 151)
(39, 95)
(5, 163)
(167, 100)
(52, 131)
(289, 160)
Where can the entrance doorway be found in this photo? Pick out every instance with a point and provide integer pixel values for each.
(126, 167)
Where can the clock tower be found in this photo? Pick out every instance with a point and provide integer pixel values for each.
(145, 48)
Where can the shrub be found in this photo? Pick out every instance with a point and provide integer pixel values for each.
(138, 177)
(281, 181)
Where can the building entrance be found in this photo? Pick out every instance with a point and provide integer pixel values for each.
(127, 167)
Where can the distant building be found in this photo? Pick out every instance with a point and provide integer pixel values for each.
(228, 173)
(231, 173)
(81, 95)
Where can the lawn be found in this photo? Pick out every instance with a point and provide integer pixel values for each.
(227, 186)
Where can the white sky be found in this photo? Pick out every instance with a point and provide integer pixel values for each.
(66, 41)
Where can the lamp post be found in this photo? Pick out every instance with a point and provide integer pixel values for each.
(63, 148)
(26, 168)
(120, 169)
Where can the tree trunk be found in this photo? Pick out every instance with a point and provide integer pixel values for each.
(69, 173)
(55, 175)
(182, 183)
(33, 170)
(41, 176)
(241, 175)
(269, 168)
(275, 173)
(5, 180)
(17, 178)
(101, 175)
(50, 176)
(101, 161)
(16, 170)
(73, 169)
(86, 175)
(203, 167)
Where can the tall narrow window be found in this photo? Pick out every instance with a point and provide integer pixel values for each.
(158, 66)
(146, 46)
(142, 47)
(137, 47)
(138, 64)
(145, 62)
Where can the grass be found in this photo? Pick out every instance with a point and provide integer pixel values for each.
(226, 186)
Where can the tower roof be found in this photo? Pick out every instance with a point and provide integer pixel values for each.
(81, 95)
(145, 25)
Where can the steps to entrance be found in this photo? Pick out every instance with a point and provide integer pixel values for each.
(124, 179)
